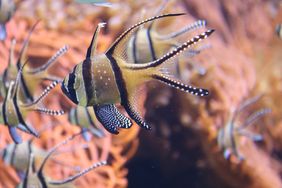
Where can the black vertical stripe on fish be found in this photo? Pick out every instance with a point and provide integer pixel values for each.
(42, 179)
(124, 94)
(4, 111)
(89, 117)
(151, 45)
(134, 47)
(233, 143)
(0, 4)
(76, 117)
(4, 154)
(30, 151)
(27, 93)
(71, 91)
(87, 79)
(20, 117)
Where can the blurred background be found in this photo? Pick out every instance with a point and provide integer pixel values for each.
(242, 60)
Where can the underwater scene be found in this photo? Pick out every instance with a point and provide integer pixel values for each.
(156, 94)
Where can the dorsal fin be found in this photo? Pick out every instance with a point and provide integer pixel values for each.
(24, 47)
(158, 12)
(121, 40)
(93, 45)
(74, 177)
(53, 59)
(42, 95)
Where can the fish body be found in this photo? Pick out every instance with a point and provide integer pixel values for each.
(278, 30)
(35, 178)
(146, 44)
(17, 155)
(7, 9)
(31, 77)
(84, 117)
(103, 80)
(13, 111)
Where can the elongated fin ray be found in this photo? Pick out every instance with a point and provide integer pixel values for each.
(158, 11)
(42, 95)
(183, 87)
(74, 177)
(133, 113)
(249, 102)
(172, 53)
(25, 45)
(53, 59)
(119, 45)
(250, 135)
(188, 28)
(93, 45)
(50, 112)
(52, 150)
(254, 117)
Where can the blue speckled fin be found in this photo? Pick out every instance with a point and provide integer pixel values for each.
(107, 117)
(15, 136)
(3, 32)
(125, 122)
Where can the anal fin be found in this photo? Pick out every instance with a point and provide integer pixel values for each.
(130, 107)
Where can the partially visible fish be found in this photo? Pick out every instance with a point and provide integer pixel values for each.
(228, 137)
(17, 155)
(7, 9)
(102, 3)
(278, 30)
(30, 77)
(13, 111)
(84, 117)
(35, 178)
